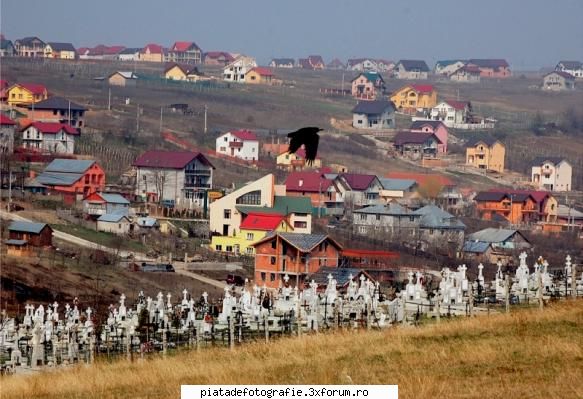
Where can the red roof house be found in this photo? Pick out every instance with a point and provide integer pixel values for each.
(261, 221)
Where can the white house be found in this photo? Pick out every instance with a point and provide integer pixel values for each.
(239, 144)
(173, 178)
(552, 173)
(114, 223)
(378, 114)
(236, 70)
(574, 68)
(362, 64)
(129, 54)
(53, 137)
(451, 112)
(447, 67)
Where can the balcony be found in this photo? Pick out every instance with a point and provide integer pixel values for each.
(95, 211)
(196, 185)
(198, 172)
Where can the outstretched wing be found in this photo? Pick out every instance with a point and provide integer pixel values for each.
(311, 146)
(297, 139)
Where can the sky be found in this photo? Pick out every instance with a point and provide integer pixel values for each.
(530, 34)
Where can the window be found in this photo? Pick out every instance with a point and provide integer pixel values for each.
(362, 229)
(411, 218)
(227, 213)
(251, 198)
(272, 276)
(430, 232)
(300, 224)
(249, 250)
(218, 247)
(229, 248)
(226, 139)
(378, 217)
(362, 216)
(273, 244)
(250, 236)
(262, 276)
(272, 260)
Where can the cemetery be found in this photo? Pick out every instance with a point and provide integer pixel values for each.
(51, 335)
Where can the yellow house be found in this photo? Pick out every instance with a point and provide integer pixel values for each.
(296, 161)
(259, 75)
(487, 154)
(411, 97)
(26, 94)
(63, 51)
(253, 228)
(183, 72)
(152, 53)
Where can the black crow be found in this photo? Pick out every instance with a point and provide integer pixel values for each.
(308, 136)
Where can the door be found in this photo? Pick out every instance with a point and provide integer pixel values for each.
(225, 229)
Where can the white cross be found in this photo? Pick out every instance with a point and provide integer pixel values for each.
(286, 278)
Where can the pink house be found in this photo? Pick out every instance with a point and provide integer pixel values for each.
(435, 127)
(491, 68)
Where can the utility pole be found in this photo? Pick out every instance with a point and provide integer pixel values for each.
(69, 112)
(9, 189)
(161, 116)
(342, 83)
(205, 112)
(320, 200)
(109, 100)
(138, 119)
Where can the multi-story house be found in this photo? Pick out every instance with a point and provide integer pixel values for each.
(412, 98)
(486, 153)
(185, 53)
(391, 219)
(221, 58)
(73, 178)
(282, 63)
(314, 62)
(31, 47)
(435, 127)
(447, 67)
(411, 69)
(241, 144)
(174, 178)
(54, 137)
(574, 68)
(259, 75)
(552, 174)
(58, 109)
(7, 130)
(368, 86)
(293, 255)
(467, 73)
(451, 112)
(491, 68)
(152, 53)
(62, 51)
(313, 185)
(237, 69)
(362, 64)
(440, 230)
(376, 114)
(357, 190)
(517, 208)
(22, 94)
(98, 204)
(416, 145)
(558, 81)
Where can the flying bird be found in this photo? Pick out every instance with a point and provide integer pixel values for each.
(308, 137)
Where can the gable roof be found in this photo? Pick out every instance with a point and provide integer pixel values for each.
(169, 159)
(489, 63)
(422, 178)
(423, 89)
(52, 128)
(218, 54)
(256, 221)
(153, 48)
(4, 43)
(392, 208)
(69, 165)
(4, 120)
(444, 63)
(477, 247)
(27, 227)
(184, 46)
(494, 235)
(414, 64)
(418, 125)
(397, 184)
(27, 41)
(488, 140)
(553, 160)
(316, 59)
(373, 107)
(283, 205)
(130, 50)
(112, 218)
(307, 182)
(459, 105)
(114, 198)
(371, 76)
(301, 241)
(537, 195)
(32, 87)
(261, 71)
(472, 69)
(563, 74)
(515, 196)
(407, 137)
(61, 46)
(571, 64)
(335, 63)
(283, 61)
(186, 69)
(244, 135)
(56, 102)
(357, 181)
(435, 217)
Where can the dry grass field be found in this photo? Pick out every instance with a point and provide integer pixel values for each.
(527, 354)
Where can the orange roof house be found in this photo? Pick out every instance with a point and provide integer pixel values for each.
(516, 208)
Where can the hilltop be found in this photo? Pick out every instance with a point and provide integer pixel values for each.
(530, 353)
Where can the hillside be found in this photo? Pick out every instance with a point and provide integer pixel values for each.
(529, 354)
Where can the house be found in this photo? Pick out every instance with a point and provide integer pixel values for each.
(32, 47)
(295, 255)
(124, 79)
(59, 110)
(296, 161)
(313, 185)
(7, 129)
(397, 189)
(73, 178)
(467, 73)
(558, 81)
(30, 234)
(129, 54)
(517, 209)
(494, 245)
(416, 145)
(179, 178)
(184, 52)
(241, 144)
(115, 223)
(335, 64)
(545, 204)
(439, 229)
(411, 69)
(574, 68)
(569, 217)
(362, 64)
(98, 204)
(54, 137)
(435, 127)
(7, 48)
(253, 228)
(451, 112)
(491, 68)
(221, 58)
(26, 93)
(391, 220)
(186, 72)
(259, 75)
(486, 153)
(146, 223)
(296, 210)
(447, 67)
(101, 52)
(377, 114)
(237, 69)
(355, 189)
(313, 62)
(552, 174)
(411, 98)
(431, 185)
(62, 51)
(282, 63)
(152, 53)
(368, 86)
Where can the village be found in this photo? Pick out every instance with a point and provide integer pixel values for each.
(164, 172)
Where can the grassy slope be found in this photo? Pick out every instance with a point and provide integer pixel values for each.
(526, 354)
